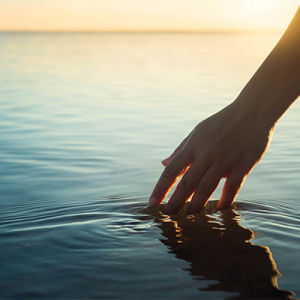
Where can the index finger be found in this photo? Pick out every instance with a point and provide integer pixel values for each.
(168, 178)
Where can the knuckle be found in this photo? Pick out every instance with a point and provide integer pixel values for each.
(170, 170)
(203, 188)
(186, 185)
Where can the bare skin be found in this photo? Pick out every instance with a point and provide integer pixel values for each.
(231, 142)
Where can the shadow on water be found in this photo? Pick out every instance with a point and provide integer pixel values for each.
(217, 248)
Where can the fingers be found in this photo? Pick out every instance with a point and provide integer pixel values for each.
(205, 188)
(166, 161)
(168, 178)
(203, 181)
(231, 188)
(186, 187)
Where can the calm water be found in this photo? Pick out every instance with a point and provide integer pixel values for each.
(84, 121)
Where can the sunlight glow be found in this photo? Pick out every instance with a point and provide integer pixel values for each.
(259, 5)
(260, 14)
(143, 15)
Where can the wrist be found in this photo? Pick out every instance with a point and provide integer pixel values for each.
(257, 109)
(269, 105)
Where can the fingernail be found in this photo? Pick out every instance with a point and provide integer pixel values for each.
(164, 161)
(153, 201)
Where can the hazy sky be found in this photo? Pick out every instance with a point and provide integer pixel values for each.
(123, 15)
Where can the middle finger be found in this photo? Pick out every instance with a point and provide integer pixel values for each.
(186, 186)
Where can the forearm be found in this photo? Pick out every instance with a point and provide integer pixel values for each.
(276, 84)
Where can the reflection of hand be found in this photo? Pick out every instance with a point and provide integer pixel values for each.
(227, 144)
(241, 267)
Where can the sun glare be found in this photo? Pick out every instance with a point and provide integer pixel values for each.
(259, 14)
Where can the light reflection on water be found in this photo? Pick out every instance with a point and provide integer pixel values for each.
(84, 121)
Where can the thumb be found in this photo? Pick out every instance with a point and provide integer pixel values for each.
(166, 161)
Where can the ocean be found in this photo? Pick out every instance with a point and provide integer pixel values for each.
(85, 119)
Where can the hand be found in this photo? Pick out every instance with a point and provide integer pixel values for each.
(226, 145)
(230, 143)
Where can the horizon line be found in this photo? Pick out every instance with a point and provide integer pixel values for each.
(143, 31)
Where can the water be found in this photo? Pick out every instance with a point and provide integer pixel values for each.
(85, 120)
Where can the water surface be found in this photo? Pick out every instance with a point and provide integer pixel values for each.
(84, 121)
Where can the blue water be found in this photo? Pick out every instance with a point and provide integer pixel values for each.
(84, 121)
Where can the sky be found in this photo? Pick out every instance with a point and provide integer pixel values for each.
(146, 15)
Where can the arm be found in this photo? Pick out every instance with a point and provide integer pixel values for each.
(230, 143)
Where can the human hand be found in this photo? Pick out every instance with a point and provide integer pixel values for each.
(230, 143)
(226, 145)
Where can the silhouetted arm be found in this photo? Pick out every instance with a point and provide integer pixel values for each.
(230, 143)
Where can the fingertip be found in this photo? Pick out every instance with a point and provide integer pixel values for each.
(165, 161)
(153, 201)
(221, 206)
(230, 191)
(166, 211)
(194, 210)
(172, 208)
